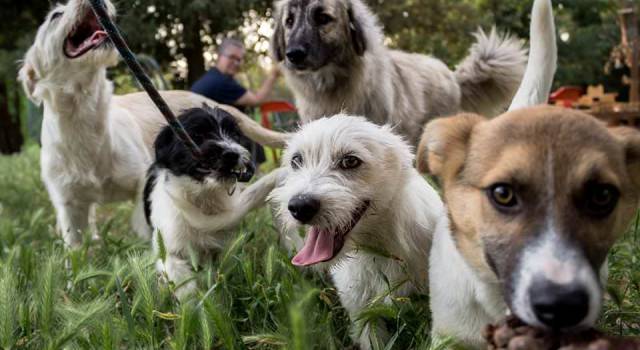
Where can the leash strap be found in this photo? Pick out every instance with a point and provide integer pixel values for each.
(116, 38)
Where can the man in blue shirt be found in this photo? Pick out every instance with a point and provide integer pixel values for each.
(219, 84)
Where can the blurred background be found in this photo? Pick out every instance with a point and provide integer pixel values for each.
(178, 38)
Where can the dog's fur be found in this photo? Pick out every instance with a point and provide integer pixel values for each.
(553, 241)
(96, 147)
(194, 203)
(368, 197)
(536, 198)
(334, 60)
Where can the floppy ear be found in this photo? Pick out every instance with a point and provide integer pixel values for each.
(278, 46)
(630, 139)
(443, 147)
(29, 78)
(357, 34)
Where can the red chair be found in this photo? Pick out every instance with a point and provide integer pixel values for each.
(566, 96)
(269, 108)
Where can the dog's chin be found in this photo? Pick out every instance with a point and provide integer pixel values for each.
(323, 245)
(303, 68)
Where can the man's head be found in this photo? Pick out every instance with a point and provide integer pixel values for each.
(230, 56)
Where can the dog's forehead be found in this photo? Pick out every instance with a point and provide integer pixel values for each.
(302, 5)
(523, 146)
(330, 137)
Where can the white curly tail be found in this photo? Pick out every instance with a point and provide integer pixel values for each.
(543, 57)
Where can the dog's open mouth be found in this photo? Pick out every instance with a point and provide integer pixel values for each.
(322, 245)
(85, 36)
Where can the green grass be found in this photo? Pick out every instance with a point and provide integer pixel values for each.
(107, 295)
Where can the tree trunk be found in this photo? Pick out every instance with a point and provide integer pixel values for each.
(193, 52)
(11, 138)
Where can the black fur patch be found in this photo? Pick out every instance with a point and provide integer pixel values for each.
(150, 183)
(210, 129)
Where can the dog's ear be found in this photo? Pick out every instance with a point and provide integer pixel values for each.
(357, 34)
(630, 139)
(278, 46)
(443, 147)
(28, 76)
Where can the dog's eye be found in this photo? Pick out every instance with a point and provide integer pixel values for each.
(55, 15)
(600, 200)
(296, 161)
(289, 21)
(350, 162)
(503, 196)
(322, 18)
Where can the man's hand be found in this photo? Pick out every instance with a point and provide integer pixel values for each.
(251, 99)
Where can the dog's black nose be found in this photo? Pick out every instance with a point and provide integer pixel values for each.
(230, 158)
(559, 306)
(296, 55)
(304, 208)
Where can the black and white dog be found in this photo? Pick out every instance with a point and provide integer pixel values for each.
(193, 204)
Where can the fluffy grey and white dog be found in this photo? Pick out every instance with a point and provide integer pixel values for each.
(353, 184)
(96, 147)
(335, 61)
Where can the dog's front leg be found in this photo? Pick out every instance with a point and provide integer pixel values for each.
(72, 219)
(178, 271)
(139, 221)
(256, 194)
(359, 282)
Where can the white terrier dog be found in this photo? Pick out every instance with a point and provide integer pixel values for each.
(353, 183)
(96, 147)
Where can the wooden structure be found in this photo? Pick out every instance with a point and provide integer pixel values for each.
(631, 42)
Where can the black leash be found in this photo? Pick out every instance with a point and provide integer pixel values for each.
(116, 38)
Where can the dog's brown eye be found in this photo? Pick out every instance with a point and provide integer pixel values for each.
(350, 162)
(322, 18)
(601, 199)
(296, 161)
(503, 196)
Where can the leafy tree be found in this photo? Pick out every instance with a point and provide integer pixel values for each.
(18, 20)
(183, 28)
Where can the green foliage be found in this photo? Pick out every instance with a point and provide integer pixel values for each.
(443, 29)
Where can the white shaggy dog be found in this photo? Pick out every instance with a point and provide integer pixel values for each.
(353, 183)
(96, 147)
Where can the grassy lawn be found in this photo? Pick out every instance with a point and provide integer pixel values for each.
(107, 294)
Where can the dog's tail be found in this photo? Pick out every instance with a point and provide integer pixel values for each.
(257, 132)
(543, 57)
(492, 72)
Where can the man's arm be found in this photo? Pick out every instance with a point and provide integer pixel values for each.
(252, 99)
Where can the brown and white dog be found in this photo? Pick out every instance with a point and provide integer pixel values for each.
(536, 198)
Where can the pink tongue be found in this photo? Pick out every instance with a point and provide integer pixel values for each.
(318, 247)
(97, 37)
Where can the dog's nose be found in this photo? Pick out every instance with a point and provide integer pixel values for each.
(296, 55)
(304, 208)
(230, 158)
(559, 306)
